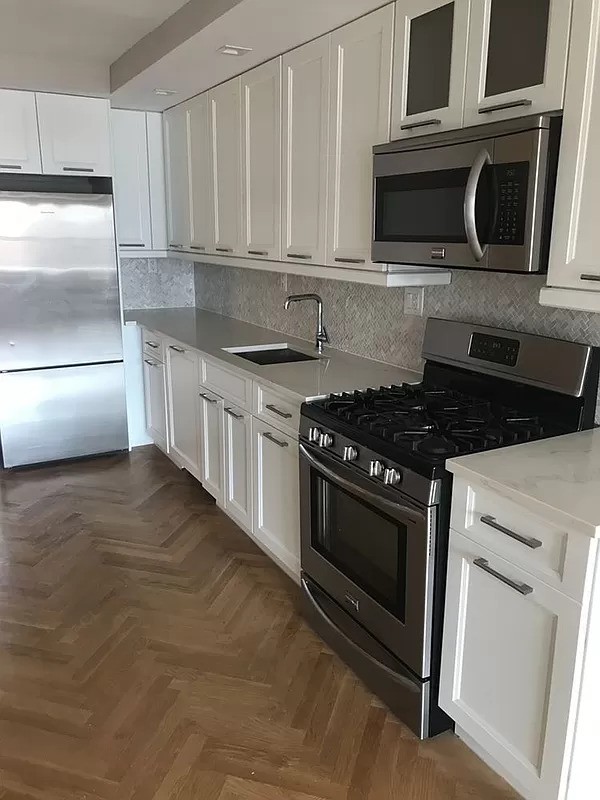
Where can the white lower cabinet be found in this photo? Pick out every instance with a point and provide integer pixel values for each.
(155, 388)
(509, 660)
(211, 443)
(182, 381)
(275, 477)
(237, 425)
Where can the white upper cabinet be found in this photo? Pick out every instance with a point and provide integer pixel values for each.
(200, 177)
(74, 135)
(226, 140)
(305, 134)
(131, 182)
(430, 57)
(261, 150)
(574, 266)
(177, 176)
(517, 58)
(19, 140)
(361, 67)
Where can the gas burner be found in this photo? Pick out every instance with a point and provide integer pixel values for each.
(437, 447)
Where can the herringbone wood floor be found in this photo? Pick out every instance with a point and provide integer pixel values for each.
(149, 651)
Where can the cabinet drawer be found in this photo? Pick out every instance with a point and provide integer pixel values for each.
(551, 553)
(281, 412)
(227, 383)
(153, 345)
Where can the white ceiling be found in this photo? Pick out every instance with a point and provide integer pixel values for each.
(270, 27)
(72, 43)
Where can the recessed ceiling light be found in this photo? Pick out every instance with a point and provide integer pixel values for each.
(234, 50)
(165, 92)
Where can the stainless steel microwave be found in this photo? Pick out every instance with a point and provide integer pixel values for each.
(476, 198)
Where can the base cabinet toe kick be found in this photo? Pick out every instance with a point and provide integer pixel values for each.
(521, 644)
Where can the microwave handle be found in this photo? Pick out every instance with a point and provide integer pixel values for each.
(482, 158)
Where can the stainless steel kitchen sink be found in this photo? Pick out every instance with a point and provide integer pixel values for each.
(270, 354)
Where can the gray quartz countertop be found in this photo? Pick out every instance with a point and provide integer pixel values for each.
(558, 478)
(334, 371)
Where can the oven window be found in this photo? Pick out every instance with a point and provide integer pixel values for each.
(428, 206)
(363, 543)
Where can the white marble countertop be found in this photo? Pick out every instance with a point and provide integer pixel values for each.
(558, 478)
(334, 371)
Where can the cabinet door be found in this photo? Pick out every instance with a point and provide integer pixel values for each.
(201, 178)
(177, 175)
(517, 58)
(74, 134)
(156, 179)
(238, 464)
(131, 182)
(276, 493)
(508, 665)
(574, 244)
(19, 140)
(182, 372)
(155, 401)
(430, 57)
(305, 130)
(261, 151)
(212, 448)
(226, 139)
(361, 67)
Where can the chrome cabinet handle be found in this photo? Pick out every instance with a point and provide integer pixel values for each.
(409, 126)
(233, 414)
(271, 438)
(279, 413)
(522, 588)
(350, 260)
(589, 276)
(78, 169)
(11, 166)
(224, 249)
(504, 106)
(127, 244)
(207, 398)
(154, 345)
(258, 253)
(151, 363)
(482, 158)
(175, 245)
(304, 256)
(197, 247)
(177, 349)
(487, 519)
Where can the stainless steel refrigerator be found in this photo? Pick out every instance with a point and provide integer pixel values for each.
(62, 388)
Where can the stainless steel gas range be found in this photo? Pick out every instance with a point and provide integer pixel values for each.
(375, 494)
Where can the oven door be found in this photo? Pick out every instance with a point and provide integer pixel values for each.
(370, 549)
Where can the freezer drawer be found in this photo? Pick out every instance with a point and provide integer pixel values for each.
(51, 414)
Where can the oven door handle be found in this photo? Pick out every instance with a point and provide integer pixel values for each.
(414, 516)
(482, 158)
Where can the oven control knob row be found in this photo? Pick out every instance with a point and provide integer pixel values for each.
(376, 469)
(392, 477)
(325, 440)
(350, 453)
(314, 434)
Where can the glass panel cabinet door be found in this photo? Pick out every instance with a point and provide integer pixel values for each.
(517, 58)
(429, 65)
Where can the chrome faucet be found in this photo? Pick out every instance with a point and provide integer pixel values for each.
(321, 337)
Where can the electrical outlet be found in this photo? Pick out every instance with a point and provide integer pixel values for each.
(413, 300)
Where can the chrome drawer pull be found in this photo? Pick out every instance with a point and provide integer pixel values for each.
(279, 413)
(11, 166)
(224, 249)
(258, 253)
(411, 125)
(139, 246)
(271, 438)
(504, 106)
(521, 588)
(150, 363)
(197, 247)
(207, 398)
(177, 349)
(350, 260)
(175, 245)
(589, 276)
(304, 256)
(233, 414)
(153, 345)
(78, 169)
(487, 519)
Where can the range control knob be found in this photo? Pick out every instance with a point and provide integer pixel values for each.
(376, 469)
(392, 477)
(314, 434)
(325, 440)
(350, 453)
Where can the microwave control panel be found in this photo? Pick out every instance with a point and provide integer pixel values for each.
(511, 180)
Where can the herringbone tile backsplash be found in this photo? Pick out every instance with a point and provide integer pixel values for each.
(370, 321)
